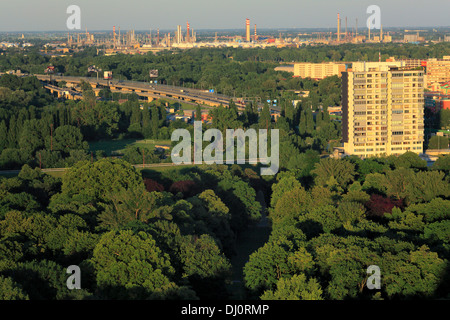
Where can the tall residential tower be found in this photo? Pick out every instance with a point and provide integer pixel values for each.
(382, 109)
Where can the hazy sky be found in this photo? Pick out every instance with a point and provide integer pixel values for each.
(49, 15)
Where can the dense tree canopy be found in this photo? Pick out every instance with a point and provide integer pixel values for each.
(176, 233)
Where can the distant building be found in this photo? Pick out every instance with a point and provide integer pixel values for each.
(438, 72)
(287, 68)
(409, 63)
(435, 101)
(413, 38)
(387, 38)
(445, 88)
(382, 109)
(337, 110)
(318, 71)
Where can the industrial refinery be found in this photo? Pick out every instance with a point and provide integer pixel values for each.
(185, 37)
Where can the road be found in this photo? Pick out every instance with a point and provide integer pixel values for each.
(151, 89)
(146, 89)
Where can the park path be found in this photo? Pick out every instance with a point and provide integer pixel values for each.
(247, 243)
(138, 166)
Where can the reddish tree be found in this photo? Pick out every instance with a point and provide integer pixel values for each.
(152, 185)
(379, 205)
(187, 187)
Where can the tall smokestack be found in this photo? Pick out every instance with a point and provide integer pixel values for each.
(187, 33)
(114, 35)
(157, 38)
(247, 29)
(255, 33)
(346, 28)
(381, 34)
(338, 28)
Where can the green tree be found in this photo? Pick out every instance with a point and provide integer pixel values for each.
(43, 280)
(155, 122)
(296, 288)
(283, 185)
(302, 124)
(408, 160)
(147, 124)
(425, 186)
(198, 113)
(309, 121)
(10, 290)
(292, 204)
(442, 163)
(444, 119)
(438, 142)
(88, 94)
(67, 138)
(99, 179)
(396, 182)
(265, 119)
(265, 267)
(205, 266)
(341, 170)
(240, 198)
(137, 155)
(3, 135)
(131, 266)
(30, 138)
(13, 132)
(134, 204)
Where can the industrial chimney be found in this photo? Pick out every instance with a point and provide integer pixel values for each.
(338, 28)
(247, 28)
(187, 33)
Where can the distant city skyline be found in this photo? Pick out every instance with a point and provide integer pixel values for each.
(50, 15)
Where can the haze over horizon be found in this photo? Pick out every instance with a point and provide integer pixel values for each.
(50, 15)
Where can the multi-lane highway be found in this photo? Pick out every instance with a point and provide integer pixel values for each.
(150, 90)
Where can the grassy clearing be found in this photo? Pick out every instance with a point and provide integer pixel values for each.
(114, 147)
(55, 174)
(147, 171)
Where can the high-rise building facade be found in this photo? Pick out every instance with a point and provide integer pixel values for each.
(382, 109)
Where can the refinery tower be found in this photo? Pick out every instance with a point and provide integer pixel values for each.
(247, 30)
